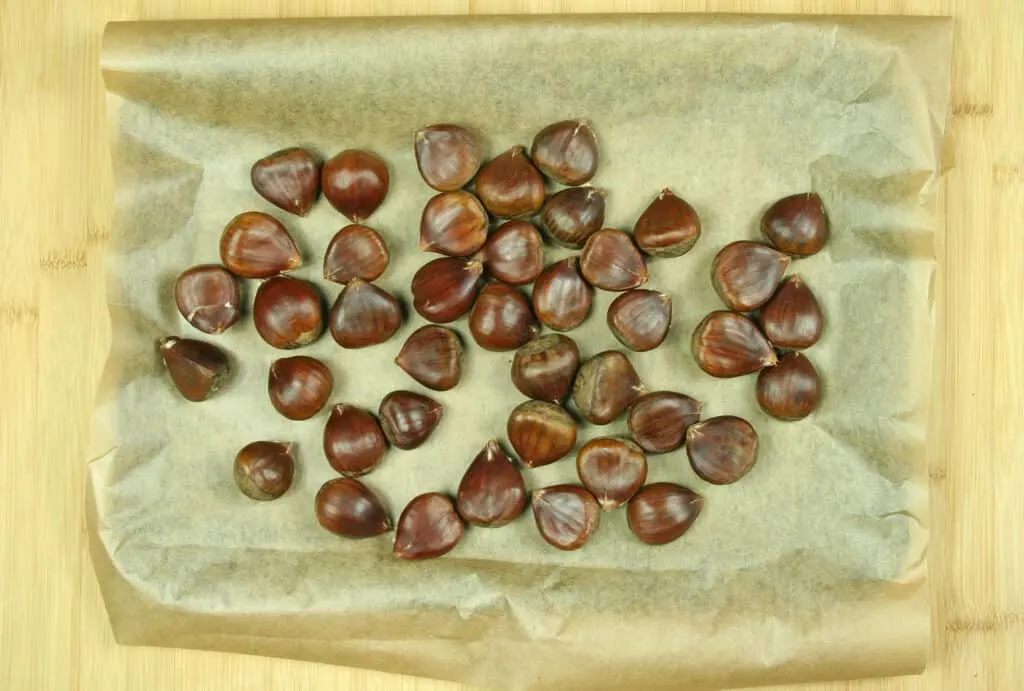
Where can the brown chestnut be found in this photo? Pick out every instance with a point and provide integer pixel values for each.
(428, 527)
(289, 179)
(408, 418)
(299, 386)
(257, 245)
(209, 298)
(796, 225)
(658, 420)
(432, 355)
(721, 449)
(288, 312)
(640, 319)
(792, 318)
(264, 469)
(573, 215)
(606, 385)
(356, 251)
(510, 185)
(444, 289)
(453, 223)
(492, 492)
(566, 151)
(514, 254)
(746, 274)
(364, 315)
(728, 344)
(611, 261)
(566, 515)
(354, 442)
(198, 369)
(791, 390)
(561, 296)
(502, 318)
(347, 507)
(669, 227)
(612, 469)
(662, 511)
(540, 432)
(355, 183)
(448, 156)
(544, 368)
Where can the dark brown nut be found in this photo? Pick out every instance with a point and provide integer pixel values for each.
(541, 433)
(727, 344)
(428, 527)
(264, 469)
(510, 186)
(209, 298)
(612, 469)
(561, 296)
(445, 289)
(356, 251)
(355, 183)
(347, 507)
(502, 318)
(408, 418)
(746, 274)
(573, 215)
(354, 442)
(792, 318)
(289, 179)
(453, 223)
(796, 225)
(640, 318)
(669, 227)
(492, 492)
(288, 312)
(658, 420)
(722, 449)
(661, 512)
(606, 385)
(515, 253)
(566, 152)
(791, 390)
(364, 315)
(198, 369)
(610, 261)
(544, 368)
(257, 245)
(432, 355)
(566, 515)
(448, 156)
(299, 386)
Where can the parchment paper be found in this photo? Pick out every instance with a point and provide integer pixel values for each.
(812, 567)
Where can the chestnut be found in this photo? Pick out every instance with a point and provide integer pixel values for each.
(356, 251)
(264, 469)
(289, 179)
(288, 312)
(566, 515)
(606, 385)
(355, 183)
(453, 223)
(561, 297)
(640, 318)
(541, 433)
(432, 355)
(573, 215)
(669, 227)
(364, 315)
(792, 318)
(347, 507)
(514, 254)
(299, 386)
(257, 245)
(613, 470)
(746, 274)
(721, 449)
(492, 492)
(796, 225)
(408, 418)
(544, 368)
(448, 156)
(662, 512)
(566, 151)
(791, 390)
(198, 369)
(611, 261)
(444, 289)
(428, 527)
(727, 344)
(502, 318)
(209, 298)
(658, 420)
(510, 185)
(354, 442)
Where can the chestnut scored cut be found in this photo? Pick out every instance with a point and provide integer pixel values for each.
(791, 390)
(662, 512)
(354, 442)
(502, 318)
(541, 433)
(432, 355)
(746, 274)
(606, 385)
(198, 369)
(445, 289)
(722, 449)
(669, 227)
(288, 312)
(566, 152)
(356, 251)
(728, 344)
(448, 156)
(429, 527)
(612, 469)
(544, 368)
(209, 298)
(408, 418)
(573, 215)
(611, 261)
(510, 186)
(492, 492)
(264, 469)
(796, 224)
(355, 183)
(289, 179)
(364, 315)
(257, 245)
(453, 223)
(792, 318)
(658, 420)
(347, 507)
(562, 299)
(566, 515)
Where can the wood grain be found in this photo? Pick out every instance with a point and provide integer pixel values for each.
(55, 196)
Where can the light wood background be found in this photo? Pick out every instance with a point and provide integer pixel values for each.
(55, 196)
